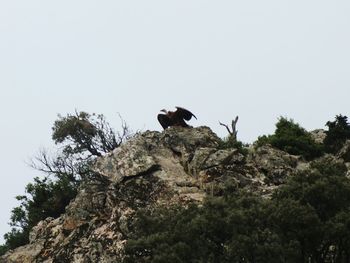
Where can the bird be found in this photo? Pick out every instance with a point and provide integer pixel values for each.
(175, 118)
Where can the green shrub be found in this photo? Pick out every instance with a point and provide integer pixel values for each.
(338, 132)
(232, 229)
(15, 238)
(44, 198)
(318, 201)
(292, 138)
(3, 249)
(324, 187)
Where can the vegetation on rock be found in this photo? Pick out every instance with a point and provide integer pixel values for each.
(338, 132)
(306, 220)
(81, 137)
(229, 142)
(292, 138)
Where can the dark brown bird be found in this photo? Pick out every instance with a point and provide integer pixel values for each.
(175, 118)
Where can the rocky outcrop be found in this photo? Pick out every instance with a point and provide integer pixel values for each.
(344, 152)
(177, 166)
(318, 135)
(274, 164)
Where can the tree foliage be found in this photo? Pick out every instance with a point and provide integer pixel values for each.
(44, 198)
(83, 133)
(292, 138)
(338, 132)
(81, 138)
(223, 230)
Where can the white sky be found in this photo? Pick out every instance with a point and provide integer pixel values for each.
(256, 59)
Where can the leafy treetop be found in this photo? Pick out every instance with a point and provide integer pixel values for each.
(83, 133)
(338, 132)
(292, 138)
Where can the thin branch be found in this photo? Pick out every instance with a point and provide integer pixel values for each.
(228, 129)
(233, 132)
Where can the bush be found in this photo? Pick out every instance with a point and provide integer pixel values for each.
(15, 238)
(292, 138)
(44, 198)
(323, 192)
(3, 249)
(338, 132)
(223, 230)
(324, 187)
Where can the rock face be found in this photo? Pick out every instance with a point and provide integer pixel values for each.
(177, 166)
(344, 152)
(275, 164)
(318, 135)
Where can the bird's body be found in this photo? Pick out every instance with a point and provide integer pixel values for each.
(175, 118)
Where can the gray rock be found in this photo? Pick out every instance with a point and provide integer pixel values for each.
(24, 254)
(131, 159)
(275, 164)
(344, 153)
(318, 135)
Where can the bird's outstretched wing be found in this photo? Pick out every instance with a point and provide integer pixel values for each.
(184, 114)
(164, 120)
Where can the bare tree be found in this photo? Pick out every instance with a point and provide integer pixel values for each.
(233, 132)
(61, 165)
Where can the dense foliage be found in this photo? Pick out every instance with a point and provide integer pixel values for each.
(292, 138)
(307, 220)
(81, 138)
(44, 198)
(82, 133)
(338, 132)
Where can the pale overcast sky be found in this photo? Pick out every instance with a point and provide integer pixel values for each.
(256, 59)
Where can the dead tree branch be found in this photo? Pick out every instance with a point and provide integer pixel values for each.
(233, 132)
